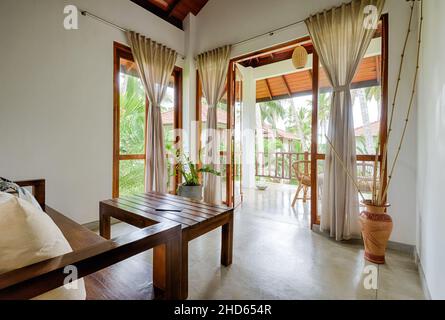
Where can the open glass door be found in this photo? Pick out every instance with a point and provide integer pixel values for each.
(234, 135)
(237, 138)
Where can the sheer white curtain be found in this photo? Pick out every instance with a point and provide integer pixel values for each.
(212, 68)
(341, 37)
(155, 63)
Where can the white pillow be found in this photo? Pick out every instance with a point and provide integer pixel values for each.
(27, 236)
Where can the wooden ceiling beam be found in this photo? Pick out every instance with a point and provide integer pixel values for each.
(269, 92)
(159, 12)
(173, 6)
(286, 85)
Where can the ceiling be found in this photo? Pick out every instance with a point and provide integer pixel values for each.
(300, 83)
(172, 11)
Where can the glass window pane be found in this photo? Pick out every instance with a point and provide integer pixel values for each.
(320, 183)
(324, 108)
(132, 110)
(365, 177)
(366, 95)
(168, 122)
(131, 176)
(367, 105)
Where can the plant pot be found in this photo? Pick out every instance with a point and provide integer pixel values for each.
(191, 192)
(376, 230)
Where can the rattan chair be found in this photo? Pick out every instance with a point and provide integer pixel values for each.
(302, 171)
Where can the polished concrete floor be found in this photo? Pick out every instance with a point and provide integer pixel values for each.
(276, 256)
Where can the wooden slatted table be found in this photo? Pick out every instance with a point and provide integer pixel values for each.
(196, 218)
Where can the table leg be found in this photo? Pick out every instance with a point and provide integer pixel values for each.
(185, 270)
(159, 267)
(105, 225)
(167, 268)
(227, 242)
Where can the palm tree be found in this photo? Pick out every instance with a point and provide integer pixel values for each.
(324, 109)
(365, 95)
(272, 111)
(300, 122)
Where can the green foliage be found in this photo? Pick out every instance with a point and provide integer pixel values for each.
(131, 177)
(361, 145)
(190, 171)
(132, 116)
(132, 135)
(271, 112)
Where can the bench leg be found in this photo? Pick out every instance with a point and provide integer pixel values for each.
(167, 268)
(105, 225)
(227, 242)
(185, 270)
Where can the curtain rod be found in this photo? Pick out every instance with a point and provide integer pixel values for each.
(269, 33)
(111, 24)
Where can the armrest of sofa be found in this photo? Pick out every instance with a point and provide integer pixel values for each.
(38, 189)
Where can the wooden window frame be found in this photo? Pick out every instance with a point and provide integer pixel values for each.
(124, 52)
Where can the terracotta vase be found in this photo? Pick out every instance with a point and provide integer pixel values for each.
(376, 230)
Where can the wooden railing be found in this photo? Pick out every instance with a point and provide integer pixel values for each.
(278, 165)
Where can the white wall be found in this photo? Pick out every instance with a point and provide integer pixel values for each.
(56, 96)
(431, 150)
(402, 194)
(229, 21)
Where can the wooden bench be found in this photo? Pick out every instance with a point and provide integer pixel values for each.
(110, 268)
(196, 219)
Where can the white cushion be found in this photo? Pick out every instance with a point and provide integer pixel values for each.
(27, 236)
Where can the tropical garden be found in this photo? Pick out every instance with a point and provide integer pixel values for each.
(294, 116)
